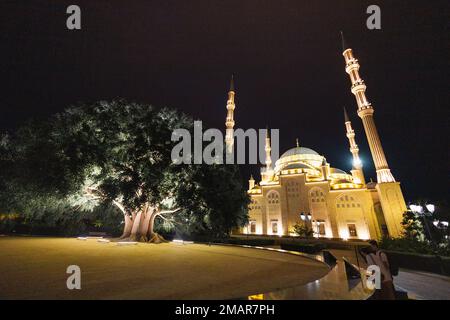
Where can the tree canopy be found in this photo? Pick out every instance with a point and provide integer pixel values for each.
(118, 153)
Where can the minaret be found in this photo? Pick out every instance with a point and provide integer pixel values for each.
(229, 123)
(267, 172)
(365, 112)
(325, 169)
(251, 183)
(268, 152)
(389, 192)
(357, 171)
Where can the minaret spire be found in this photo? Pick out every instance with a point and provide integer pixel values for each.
(267, 171)
(347, 119)
(357, 171)
(344, 43)
(229, 123)
(365, 112)
(268, 152)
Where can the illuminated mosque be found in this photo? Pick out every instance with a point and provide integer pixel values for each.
(301, 187)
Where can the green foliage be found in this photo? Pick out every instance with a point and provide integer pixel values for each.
(412, 227)
(68, 222)
(302, 230)
(417, 239)
(213, 200)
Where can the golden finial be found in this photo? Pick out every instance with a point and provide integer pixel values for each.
(296, 142)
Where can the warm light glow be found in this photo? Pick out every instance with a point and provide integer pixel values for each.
(126, 243)
(182, 241)
(256, 297)
(343, 232)
(357, 163)
(364, 236)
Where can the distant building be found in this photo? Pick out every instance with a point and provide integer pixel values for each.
(303, 188)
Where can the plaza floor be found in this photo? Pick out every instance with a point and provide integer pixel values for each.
(35, 268)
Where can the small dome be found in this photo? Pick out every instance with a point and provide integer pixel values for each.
(298, 150)
(296, 166)
(371, 185)
(336, 170)
(342, 181)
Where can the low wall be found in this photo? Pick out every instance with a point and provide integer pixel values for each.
(420, 262)
(296, 241)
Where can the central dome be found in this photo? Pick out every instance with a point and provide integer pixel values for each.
(298, 151)
(299, 158)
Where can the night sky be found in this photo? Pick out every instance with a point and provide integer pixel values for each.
(287, 61)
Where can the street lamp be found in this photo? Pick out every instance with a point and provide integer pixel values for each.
(416, 208)
(305, 217)
(431, 207)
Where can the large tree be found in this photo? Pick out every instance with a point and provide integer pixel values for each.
(119, 153)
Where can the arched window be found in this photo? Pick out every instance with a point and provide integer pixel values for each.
(317, 195)
(273, 198)
(345, 201)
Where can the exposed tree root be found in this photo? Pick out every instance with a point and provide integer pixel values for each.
(157, 239)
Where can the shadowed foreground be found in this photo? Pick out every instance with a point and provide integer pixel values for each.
(35, 268)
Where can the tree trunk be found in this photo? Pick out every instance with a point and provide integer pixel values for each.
(135, 229)
(128, 224)
(139, 226)
(151, 224)
(145, 222)
(152, 236)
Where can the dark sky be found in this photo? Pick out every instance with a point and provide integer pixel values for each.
(286, 57)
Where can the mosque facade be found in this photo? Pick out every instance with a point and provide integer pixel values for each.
(303, 188)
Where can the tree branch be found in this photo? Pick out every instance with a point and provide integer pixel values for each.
(120, 206)
(162, 213)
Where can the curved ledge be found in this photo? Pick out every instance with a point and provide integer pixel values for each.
(333, 286)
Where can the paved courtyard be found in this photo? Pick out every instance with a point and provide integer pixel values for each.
(35, 268)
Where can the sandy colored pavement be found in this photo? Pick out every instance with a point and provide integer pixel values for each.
(35, 268)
